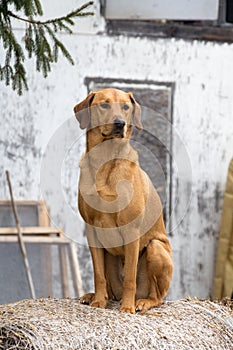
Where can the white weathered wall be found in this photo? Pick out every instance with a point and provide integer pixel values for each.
(202, 114)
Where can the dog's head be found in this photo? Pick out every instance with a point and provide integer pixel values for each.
(110, 112)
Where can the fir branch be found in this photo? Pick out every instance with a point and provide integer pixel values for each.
(58, 45)
(14, 51)
(40, 40)
(29, 7)
(29, 42)
(67, 18)
(38, 6)
(19, 81)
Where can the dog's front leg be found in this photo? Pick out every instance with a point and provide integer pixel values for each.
(130, 271)
(100, 297)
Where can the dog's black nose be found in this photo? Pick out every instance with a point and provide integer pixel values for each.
(119, 123)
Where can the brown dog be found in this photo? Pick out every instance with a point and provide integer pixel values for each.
(125, 230)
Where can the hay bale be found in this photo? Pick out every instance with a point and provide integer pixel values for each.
(66, 324)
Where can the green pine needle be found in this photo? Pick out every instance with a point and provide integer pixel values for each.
(40, 40)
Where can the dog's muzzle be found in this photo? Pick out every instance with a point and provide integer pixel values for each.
(118, 127)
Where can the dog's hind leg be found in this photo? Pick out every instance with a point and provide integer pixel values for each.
(159, 273)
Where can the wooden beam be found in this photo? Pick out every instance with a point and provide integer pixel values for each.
(75, 270)
(21, 202)
(64, 270)
(171, 29)
(35, 239)
(35, 230)
(20, 240)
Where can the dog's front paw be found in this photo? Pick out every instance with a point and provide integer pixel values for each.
(91, 300)
(87, 298)
(146, 304)
(98, 303)
(130, 309)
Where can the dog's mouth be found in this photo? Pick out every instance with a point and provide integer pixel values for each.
(114, 134)
(117, 130)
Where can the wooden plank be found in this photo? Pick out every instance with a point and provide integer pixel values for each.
(75, 270)
(43, 214)
(170, 29)
(41, 234)
(41, 219)
(64, 271)
(38, 207)
(20, 238)
(44, 220)
(31, 231)
(36, 240)
(20, 202)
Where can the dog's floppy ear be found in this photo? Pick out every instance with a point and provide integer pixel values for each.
(82, 112)
(136, 113)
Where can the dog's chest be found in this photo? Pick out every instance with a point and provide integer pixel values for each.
(111, 178)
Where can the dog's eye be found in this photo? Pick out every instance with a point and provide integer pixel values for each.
(125, 107)
(105, 105)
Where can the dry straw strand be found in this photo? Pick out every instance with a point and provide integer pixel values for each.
(46, 324)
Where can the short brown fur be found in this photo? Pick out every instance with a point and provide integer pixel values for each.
(132, 262)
